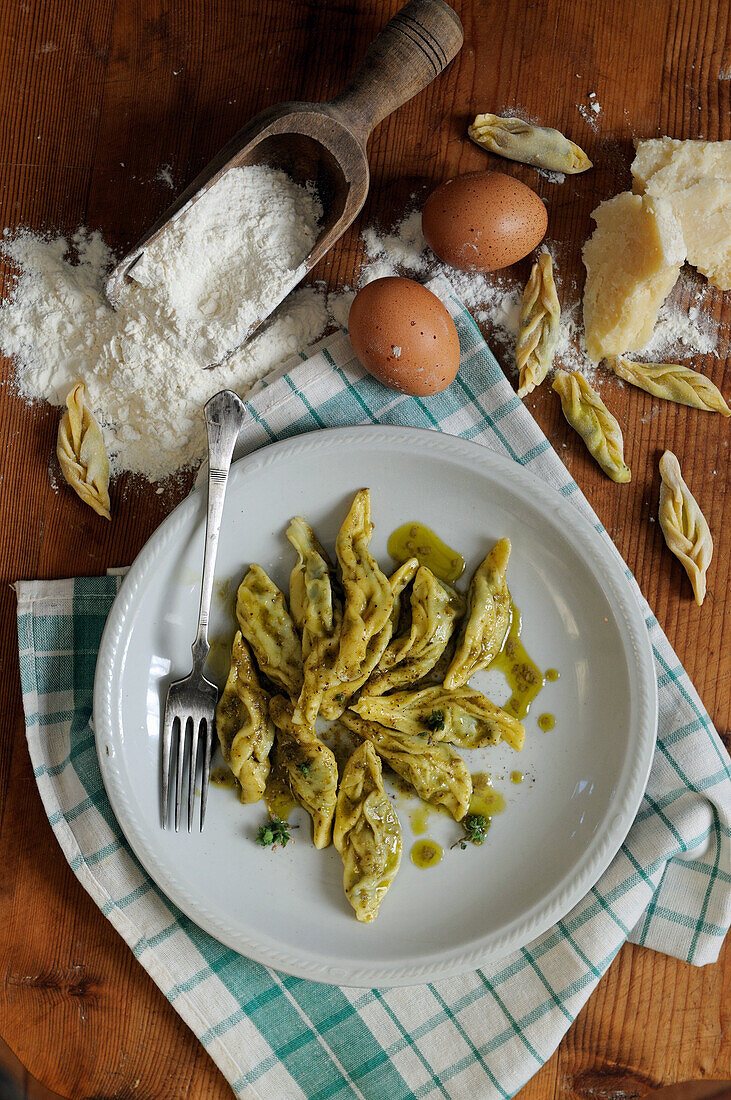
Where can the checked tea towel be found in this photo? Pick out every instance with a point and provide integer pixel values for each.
(485, 1033)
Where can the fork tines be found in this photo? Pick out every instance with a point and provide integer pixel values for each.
(186, 750)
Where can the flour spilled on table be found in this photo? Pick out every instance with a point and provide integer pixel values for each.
(142, 364)
(164, 175)
(589, 111)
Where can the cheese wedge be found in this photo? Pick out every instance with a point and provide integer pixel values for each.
(678, 164)
(695, 178)
(632, 261)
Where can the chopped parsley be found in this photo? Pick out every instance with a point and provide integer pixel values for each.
(475, 830)
(435, 721)
(303, 769)
(273, 833)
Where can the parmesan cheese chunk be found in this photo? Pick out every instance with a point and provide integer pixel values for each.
(632, 261)
(695, 178)
(678, 164)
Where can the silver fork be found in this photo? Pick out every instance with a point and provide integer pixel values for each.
(190, 707)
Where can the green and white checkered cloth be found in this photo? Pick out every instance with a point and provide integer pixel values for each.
(485, 1033)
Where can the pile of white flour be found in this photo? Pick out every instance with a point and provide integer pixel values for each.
(232, 256)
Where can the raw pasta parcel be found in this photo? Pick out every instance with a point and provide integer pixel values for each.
(672, 382)
(540, 314)
(540, 146)
(589, 416)
(684, 525)
(81, 453)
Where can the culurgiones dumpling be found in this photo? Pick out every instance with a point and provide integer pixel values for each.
(401, 611)
(541, 146)
(589, 416)
(684, 526)
(488, 618)
(366, 832)
(338, 693)
(244, 728)
(672, 382)
(462, 716)
(318, 615)
(435, 608)
(265, 622)
(437, 773)
(82, 454)
(368, 594)
(310, 768)
(436, 675)
(311, 594)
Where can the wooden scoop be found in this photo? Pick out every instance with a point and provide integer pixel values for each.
(325, 143)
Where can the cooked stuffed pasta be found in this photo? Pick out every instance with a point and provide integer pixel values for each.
(245, 731)
(318, 614)
(339, 692)
(435, 609)
(462, 716)
(368, 594)
(488, 618)
(265, 622)
(437, 773)
(366, 832)
(310, 767)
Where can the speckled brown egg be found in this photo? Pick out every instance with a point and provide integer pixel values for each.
(483, 221)
(404, 336)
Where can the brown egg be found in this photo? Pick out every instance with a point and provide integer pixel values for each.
(483, 221)
(404, 336)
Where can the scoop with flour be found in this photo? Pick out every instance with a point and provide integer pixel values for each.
(228, 263)
(321, 150)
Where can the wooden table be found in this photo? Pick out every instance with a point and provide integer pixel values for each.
(96, 96)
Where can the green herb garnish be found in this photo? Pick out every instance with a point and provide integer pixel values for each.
(340, 697)
(435, 721)
(273, 833)
(475, 830)
(303, 769)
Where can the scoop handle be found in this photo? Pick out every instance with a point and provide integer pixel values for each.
(412, 49)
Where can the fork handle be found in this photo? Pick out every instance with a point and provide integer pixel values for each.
(224, 414)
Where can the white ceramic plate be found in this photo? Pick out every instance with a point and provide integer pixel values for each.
(583, 781)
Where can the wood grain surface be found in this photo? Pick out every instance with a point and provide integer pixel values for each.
(95, 97)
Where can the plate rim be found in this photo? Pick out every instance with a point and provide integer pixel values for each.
(461, 959)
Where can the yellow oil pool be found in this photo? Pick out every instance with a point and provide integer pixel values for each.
(415, 540)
